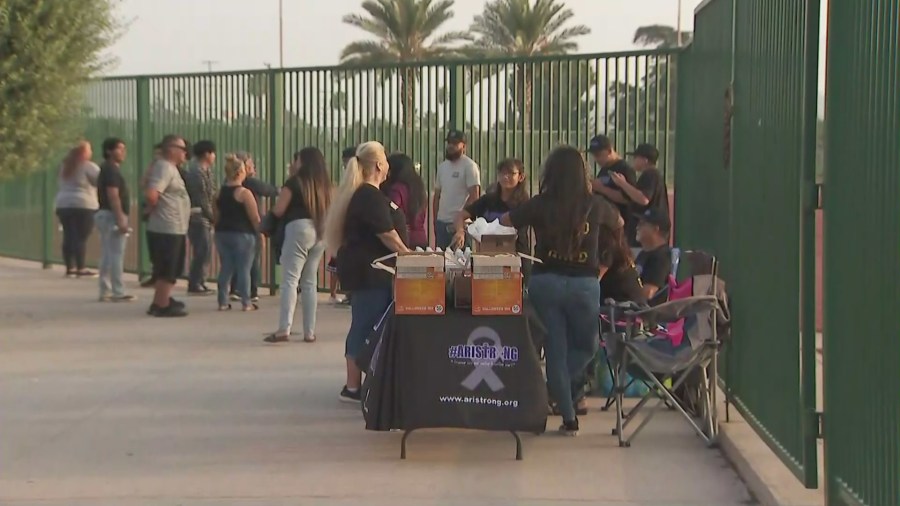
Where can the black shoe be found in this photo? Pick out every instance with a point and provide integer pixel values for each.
(348, 396)
(202, 291)
(172, 303)
(170, 311)
(569, 428)
(148, 283)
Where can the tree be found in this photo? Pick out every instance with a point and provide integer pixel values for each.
(405, 31)
(661, 36)
(49, 51)
(524, 28)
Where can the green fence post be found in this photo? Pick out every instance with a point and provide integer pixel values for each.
(276, 154)
(457, 97)
(144, 154)
(47, 221)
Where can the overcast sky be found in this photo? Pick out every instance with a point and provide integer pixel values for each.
(173, 36)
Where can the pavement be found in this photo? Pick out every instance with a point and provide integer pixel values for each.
(101, 405)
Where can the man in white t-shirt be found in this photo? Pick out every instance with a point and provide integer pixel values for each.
(458, 184)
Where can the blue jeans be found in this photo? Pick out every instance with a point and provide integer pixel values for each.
(567, 306)
(112, 254)
(443, 234)
(200, 237)
(366, 309)
(235, 255)
(300, 257)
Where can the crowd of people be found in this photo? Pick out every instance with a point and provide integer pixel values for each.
(599, 236)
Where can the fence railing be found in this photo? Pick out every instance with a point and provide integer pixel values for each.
(508, 108)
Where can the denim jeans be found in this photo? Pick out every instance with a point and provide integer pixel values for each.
(567, 306)
(366, 309)
(254, 271)
(235, 256)
(200, 237)
(300, 257)
(112, 254)
(443, 234)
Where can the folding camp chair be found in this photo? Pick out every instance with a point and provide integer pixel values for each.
(609, 323)
(642, 353)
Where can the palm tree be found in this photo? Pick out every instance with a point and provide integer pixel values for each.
(525, 28)
(660, 36)
(404, 31)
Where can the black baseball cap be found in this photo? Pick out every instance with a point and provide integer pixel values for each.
(456, 136)
(348, 152)
(656, 217)
(647, 151)
(599, 143)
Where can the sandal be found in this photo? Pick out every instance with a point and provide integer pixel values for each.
(226, 307)
(275, 338)
(251, 307)
(309, 339)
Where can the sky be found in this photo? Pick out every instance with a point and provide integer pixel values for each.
(177, 36)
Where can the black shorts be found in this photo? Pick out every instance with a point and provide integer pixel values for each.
(167, 253)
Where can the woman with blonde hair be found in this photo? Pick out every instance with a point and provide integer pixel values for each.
(362, 226)
(76, 203)
(237, 220)
(301, 207)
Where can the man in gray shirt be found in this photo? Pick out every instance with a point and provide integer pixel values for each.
(457, 184)
(169, 213)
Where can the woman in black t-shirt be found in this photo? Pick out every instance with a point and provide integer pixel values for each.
(509, 193)
(302, 205)
(362, 226)
(567, 220)
(621, 282)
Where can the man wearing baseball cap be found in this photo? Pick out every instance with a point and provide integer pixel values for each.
(650, 192)
(457, 184)
(654, 262)
(613, 172)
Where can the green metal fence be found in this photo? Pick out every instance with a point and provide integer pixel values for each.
(508, 107)
(862, 254)
(749, 202)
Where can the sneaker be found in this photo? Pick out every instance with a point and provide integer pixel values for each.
(71, 274)
(235, 297)
(348, 396)
(123, 298)
(569, 428)
(105, 298)
(275, 338)
(170, 311)
(84, 273)
(334, 300)
(203, 291)
(172, 302)
(254, 298)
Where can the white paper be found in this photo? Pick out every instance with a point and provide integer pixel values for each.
(481, 227)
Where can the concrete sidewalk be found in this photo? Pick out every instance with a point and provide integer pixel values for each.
(103, 405)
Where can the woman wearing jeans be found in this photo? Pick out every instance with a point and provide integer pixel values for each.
(567, 220)
(362, 226)
(237, 219)
(301, 206)
(76, 203)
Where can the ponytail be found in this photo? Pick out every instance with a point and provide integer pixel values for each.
(337, 213)
(358, 167)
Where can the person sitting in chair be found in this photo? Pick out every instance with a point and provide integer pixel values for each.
(654, 262)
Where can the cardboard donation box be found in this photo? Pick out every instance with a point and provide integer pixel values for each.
(419, 285)
(496, 284)
(496, 243)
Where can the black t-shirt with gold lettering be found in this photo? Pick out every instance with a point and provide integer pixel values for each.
(586, 262)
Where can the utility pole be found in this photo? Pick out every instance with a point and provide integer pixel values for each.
(678, 28)
(209, 64)
(281, 33)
